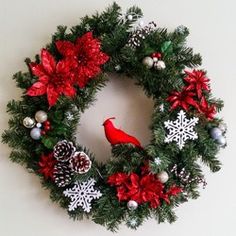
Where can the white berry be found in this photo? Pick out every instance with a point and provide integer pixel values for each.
(160, 65)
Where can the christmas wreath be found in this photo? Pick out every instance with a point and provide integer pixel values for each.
(137, 182)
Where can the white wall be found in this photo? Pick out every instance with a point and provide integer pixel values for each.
(26, 26)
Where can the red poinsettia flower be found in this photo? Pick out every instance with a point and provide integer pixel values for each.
(87, 55)
(54, 79)
(142, 189)
(174, 190)
(182, 99)
(117, 178)
(46, 164)
(197, 81)
(208, 110)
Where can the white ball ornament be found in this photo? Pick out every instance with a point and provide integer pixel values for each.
(148, 62)
(132, 205)
(160, 65)
(35, 133)
(29, 122)
(41, 116)
(163, 177)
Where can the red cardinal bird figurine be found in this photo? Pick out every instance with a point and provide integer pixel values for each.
(117, 136)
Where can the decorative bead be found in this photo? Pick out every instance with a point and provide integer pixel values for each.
(223, 127)
(132, 205)
(160, 65)
(28, 122)
(38, 125)
(221, 140)
(148, 62)
(35, 133)
(215, 133)
(130, 17)
(41, 116)
(163, 177)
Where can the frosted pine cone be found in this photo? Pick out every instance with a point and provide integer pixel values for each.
(62, 174)
(80, 163)
(64, 150)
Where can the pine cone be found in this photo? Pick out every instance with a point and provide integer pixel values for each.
(64, 150)
(62, 174)
(80, 163)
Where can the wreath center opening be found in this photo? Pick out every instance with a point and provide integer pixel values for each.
(127, 103)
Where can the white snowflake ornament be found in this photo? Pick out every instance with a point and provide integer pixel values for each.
(181, 129)
(157, 161)
(69, 116)
(87, 27)
(81, 194)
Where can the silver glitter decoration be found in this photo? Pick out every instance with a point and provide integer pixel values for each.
(157, 161)
(140, 34)
(181, 29)
(117, 67)
(87, 27)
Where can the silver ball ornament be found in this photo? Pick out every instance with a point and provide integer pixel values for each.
(35, 133)
(148, 62)
(215, 133)
(221, 141)
(41, 116)
(163, 177)
(160, 65)
(29, 122)
(132, 205)
(130, 17)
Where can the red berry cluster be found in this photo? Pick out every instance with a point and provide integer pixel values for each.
(156, 55)
(46, 127)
